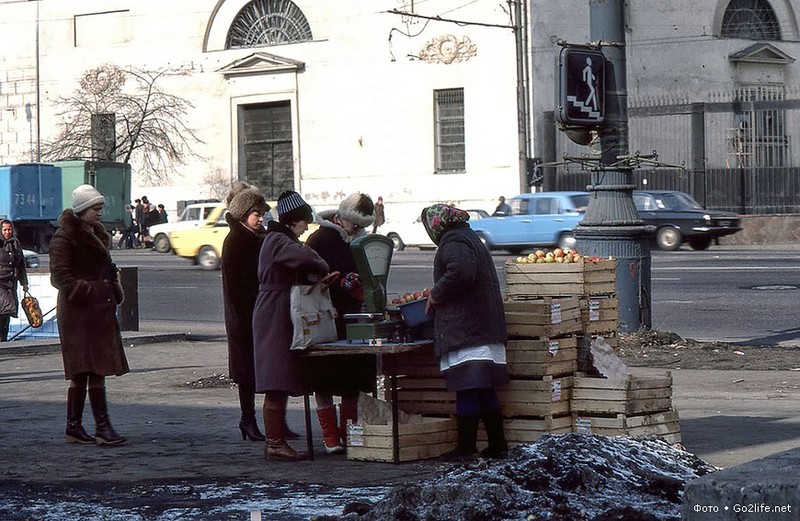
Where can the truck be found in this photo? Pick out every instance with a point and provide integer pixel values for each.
(31, 198)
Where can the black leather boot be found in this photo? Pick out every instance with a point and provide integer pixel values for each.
(104, 433)
(75, 433)
(248, 425)
(466, 449)
(498, 448)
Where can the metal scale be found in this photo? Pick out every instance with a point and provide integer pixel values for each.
(373, 255)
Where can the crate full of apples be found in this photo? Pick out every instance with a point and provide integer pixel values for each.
(560, 272)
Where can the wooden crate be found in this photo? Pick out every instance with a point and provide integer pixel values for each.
(429, 439)
(529, 357)
(524, 281)
(547, 396)
(600, 314)
(521, 431)
(665, 425)
(427, 396)
(637, 394)
(420, 362)
(545, 317)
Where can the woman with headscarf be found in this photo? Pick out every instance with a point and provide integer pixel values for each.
(282, 262)
(88, 295)
(469, 328)
(344, 376)
(12, 271)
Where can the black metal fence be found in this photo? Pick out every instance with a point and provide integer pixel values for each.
(753, 191)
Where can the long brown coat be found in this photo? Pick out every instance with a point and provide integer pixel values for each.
(239, 290)
(283, 261)
(88, 294)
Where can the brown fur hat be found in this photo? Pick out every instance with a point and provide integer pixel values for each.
(244, 199)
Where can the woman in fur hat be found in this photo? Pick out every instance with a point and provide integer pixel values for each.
(282, 262)
(347, 376)
(88, 295)
(246, 208)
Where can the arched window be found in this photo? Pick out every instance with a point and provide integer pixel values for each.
(751, 20)
(268, 22)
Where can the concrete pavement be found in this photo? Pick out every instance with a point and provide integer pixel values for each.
(181, 424)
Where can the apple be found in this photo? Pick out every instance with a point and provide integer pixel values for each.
(417, 295)
(426, 292)
(408, 296)
(558, 252)
(397, 300)
(539, 254)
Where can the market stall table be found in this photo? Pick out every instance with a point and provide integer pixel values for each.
(387, 351)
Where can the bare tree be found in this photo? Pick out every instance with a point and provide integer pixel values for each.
(219, 183)
(124, 115)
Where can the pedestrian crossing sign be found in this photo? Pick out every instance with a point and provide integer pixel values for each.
(581, 88)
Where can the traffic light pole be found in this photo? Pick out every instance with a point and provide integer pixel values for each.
(611, 226)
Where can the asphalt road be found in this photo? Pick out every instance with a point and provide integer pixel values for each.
(737, 293)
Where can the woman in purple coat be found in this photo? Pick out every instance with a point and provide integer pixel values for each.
(282, 262)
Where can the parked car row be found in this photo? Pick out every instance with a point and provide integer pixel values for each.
(536, 220)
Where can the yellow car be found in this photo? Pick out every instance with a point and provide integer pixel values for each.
(203, 244)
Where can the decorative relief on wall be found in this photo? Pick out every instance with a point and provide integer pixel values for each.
(448, 49)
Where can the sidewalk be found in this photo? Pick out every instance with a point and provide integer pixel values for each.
(180, 430)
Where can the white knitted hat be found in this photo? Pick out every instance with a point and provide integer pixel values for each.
(357, 208)
(86, 196)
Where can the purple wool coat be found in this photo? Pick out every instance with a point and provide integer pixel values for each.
(283, 260)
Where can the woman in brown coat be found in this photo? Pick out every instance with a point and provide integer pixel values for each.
(283, 260)
(246, 208)
(88, 294)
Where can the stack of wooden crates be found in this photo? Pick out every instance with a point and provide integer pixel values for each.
(553, 313)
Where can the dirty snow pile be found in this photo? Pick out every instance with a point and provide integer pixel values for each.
(561, 477)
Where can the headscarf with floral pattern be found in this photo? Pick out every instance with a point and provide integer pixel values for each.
(437, 217)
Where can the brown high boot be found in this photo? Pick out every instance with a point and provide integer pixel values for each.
(75, 433)
(330, 430)
(104, 433)
(276, 447)
(348, 410)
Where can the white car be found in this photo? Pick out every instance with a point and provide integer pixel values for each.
(404, 233)
(192, 216)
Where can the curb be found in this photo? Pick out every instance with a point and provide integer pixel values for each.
(48, 346)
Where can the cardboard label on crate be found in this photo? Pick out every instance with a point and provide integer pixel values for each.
(555, 313)
(583, 425)
(355, 435)
(555, 390)
(594, 310)
(552, 347)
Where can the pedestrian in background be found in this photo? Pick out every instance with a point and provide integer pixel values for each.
(342, 376)
(379, 215)
(283, 261)
(162, 215)
(469, 328)
(88, 294)
(502, 208)
(12, 271)
(128, 239)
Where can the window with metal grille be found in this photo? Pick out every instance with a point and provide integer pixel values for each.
(751, 20)
(760, 138)
(449, 130)
(268, 22)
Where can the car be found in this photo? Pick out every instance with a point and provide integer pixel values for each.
(192, 216)
(203, 244)
(679, 219)
(475, 214)
(407, 233)
(31, 258)
(538, 219)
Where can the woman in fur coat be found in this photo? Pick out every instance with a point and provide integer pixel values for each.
(88, 294)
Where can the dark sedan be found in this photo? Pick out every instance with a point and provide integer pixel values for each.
(678, 218)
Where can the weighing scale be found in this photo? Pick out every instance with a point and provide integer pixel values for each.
(373, 255)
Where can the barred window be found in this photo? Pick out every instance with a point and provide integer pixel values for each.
(760, 138)
(268, 22)
(751, 20)
(449, 130)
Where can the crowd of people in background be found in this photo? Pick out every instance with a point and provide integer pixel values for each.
(139, 217)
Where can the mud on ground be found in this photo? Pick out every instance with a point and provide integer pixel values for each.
(670, 351)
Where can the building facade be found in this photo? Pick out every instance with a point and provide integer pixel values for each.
(378, 96)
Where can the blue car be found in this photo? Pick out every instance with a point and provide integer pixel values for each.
(537, 220)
